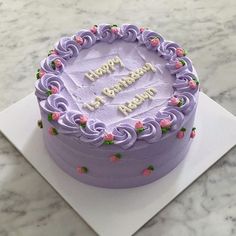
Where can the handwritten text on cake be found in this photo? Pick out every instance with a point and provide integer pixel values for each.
(128, 107)
(106, 68)
(125, 82)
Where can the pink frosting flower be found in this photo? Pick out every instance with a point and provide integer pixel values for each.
(108, 137)
(139, 125)
(82, 169)
(54, 90)
(41, 73)
(178, 64)
(155, 42)
(165, 123)
(192, 84)
(79, 40)
(148, 171)
(55, 116)
(83, 120)
(57, 63)
(180, 134)
(52, 131)
(94, 29)
(52, 52)
(141, 29)
(180, 52)
(174, 101)
(116, 157)
(193, 133)
(114, 29)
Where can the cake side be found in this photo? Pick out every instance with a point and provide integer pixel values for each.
(140, 124)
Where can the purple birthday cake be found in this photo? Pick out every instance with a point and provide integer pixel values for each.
(117, 105)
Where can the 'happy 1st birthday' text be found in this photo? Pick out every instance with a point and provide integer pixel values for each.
(125, 82)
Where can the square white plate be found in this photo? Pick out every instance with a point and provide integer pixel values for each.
(119, 212)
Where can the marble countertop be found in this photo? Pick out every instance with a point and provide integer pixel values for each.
(28, 29)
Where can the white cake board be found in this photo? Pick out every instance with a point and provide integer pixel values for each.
(121, 212)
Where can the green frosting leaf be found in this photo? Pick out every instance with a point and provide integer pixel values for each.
(151, 167)
(118, 155)
(50, 117)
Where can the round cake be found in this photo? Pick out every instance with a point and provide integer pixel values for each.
(117, 105)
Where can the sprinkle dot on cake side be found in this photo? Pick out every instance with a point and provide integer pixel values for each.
(117, 105)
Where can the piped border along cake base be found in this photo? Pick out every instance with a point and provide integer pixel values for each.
(121, 211)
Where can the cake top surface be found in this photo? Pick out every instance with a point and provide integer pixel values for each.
(116, 85)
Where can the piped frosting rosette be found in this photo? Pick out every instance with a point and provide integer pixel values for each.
(93, 133)
(152, 131)
(53, 64)
(183, 102)
(179, 65)
(106, 34)
(70, 123)
(66, 48)
(124, 135)
(175, 117)
(48, 84)
(151, 39)
(129, 32)
(167, 49)
(186, 82)
(55, 103)
(89, 39)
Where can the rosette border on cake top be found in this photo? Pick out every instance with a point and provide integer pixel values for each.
(65, 119)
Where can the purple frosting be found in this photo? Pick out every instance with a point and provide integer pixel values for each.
(67, 48)
(129, 32)
(69, 123)
(134, 156)
(46, 83)
(147, 36)
(152, 131)
(168, 49)
(125, 134)
(182, 83)
(47, 64)
(188, 101)
(88, 37)
(175, 116)
(55, 103)
(105, 33)
(93, 133)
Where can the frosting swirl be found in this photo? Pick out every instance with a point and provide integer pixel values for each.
(182, 83)
(69, 123)
(67, 48)
(93, 132)
(105, 33)
(187, 102)
(152, 131)
(177, 66)
(124, 135)
(129, 32)
(147, 36)
(48, 64)
(45, 84)
(175, 116)
(55, 103)
(88, 37)
(167, 49)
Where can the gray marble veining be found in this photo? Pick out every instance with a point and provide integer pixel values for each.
(28, 29)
